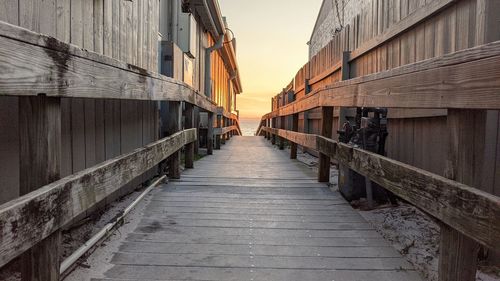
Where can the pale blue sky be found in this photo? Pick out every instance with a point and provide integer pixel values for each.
(271, 45)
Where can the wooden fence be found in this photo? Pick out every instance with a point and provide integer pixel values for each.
(431, 64)
(468, 215)
(42, 73)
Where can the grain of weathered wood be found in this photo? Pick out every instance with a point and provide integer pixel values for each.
(40, 164)
(274, 230)
(463, 79)
(472, 212)
(80, 73)
(174, 125)
(54, 205)
(459, 253)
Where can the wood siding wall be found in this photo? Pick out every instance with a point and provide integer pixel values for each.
(92, 130)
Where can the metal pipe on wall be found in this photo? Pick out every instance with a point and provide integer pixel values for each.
(208, 65)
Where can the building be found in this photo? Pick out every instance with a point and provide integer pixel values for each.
(332, 17)
(188, 41)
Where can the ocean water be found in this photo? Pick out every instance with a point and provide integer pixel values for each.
(249, 126)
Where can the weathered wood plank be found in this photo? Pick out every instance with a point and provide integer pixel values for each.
(406, 23)
(79, 73)
(40, 164)
(56, 204)
(464, 79)
(174, 125)
(472, 212)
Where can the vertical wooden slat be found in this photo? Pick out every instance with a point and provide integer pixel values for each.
(77, 134)
(48, 17)
(77, 22)
(326, 131)
(458, 253)
(99, 26)
(63, 20)
(40, 164)
(88, 24)
(89, 132)
(9, 11)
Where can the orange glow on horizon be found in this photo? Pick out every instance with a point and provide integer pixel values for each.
(271, 46)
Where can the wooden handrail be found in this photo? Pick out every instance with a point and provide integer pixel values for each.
(464, 79)
(29, 219)
(80, 73)
(468, 210)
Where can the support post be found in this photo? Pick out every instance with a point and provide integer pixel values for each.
(218, 136)
(326, 131)
(189, 149)
(174, 126)
(223, 137)
(282, 124)
(459, 253)
(273, 136)
(295, 128)
(40, 164)
(210, 134)
(197, 126)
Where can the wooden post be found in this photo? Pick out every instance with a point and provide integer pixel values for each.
(189, 149)
(210, 134)
(345, 76)
(174, 126)
(326, 131)
(40, 158)
(273, 125)
(282, 124)
(459, 253)
(295, 128)
(305, 123)
(197, 126)
(223, 125)
(217, 136)
(268, 124)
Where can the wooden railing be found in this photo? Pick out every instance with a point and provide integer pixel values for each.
(458, 82)
(41, 71)
(35, 216)
(227, 126)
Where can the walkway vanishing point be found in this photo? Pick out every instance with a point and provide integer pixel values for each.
(249, 213)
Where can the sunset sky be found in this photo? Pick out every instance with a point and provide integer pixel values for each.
(271, 46)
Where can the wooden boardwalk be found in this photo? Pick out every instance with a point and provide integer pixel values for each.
(250, 213)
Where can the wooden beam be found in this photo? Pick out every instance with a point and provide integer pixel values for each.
(468, 210)
(45, 65)
(326, 131)
(40, 164)
(33, 217)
